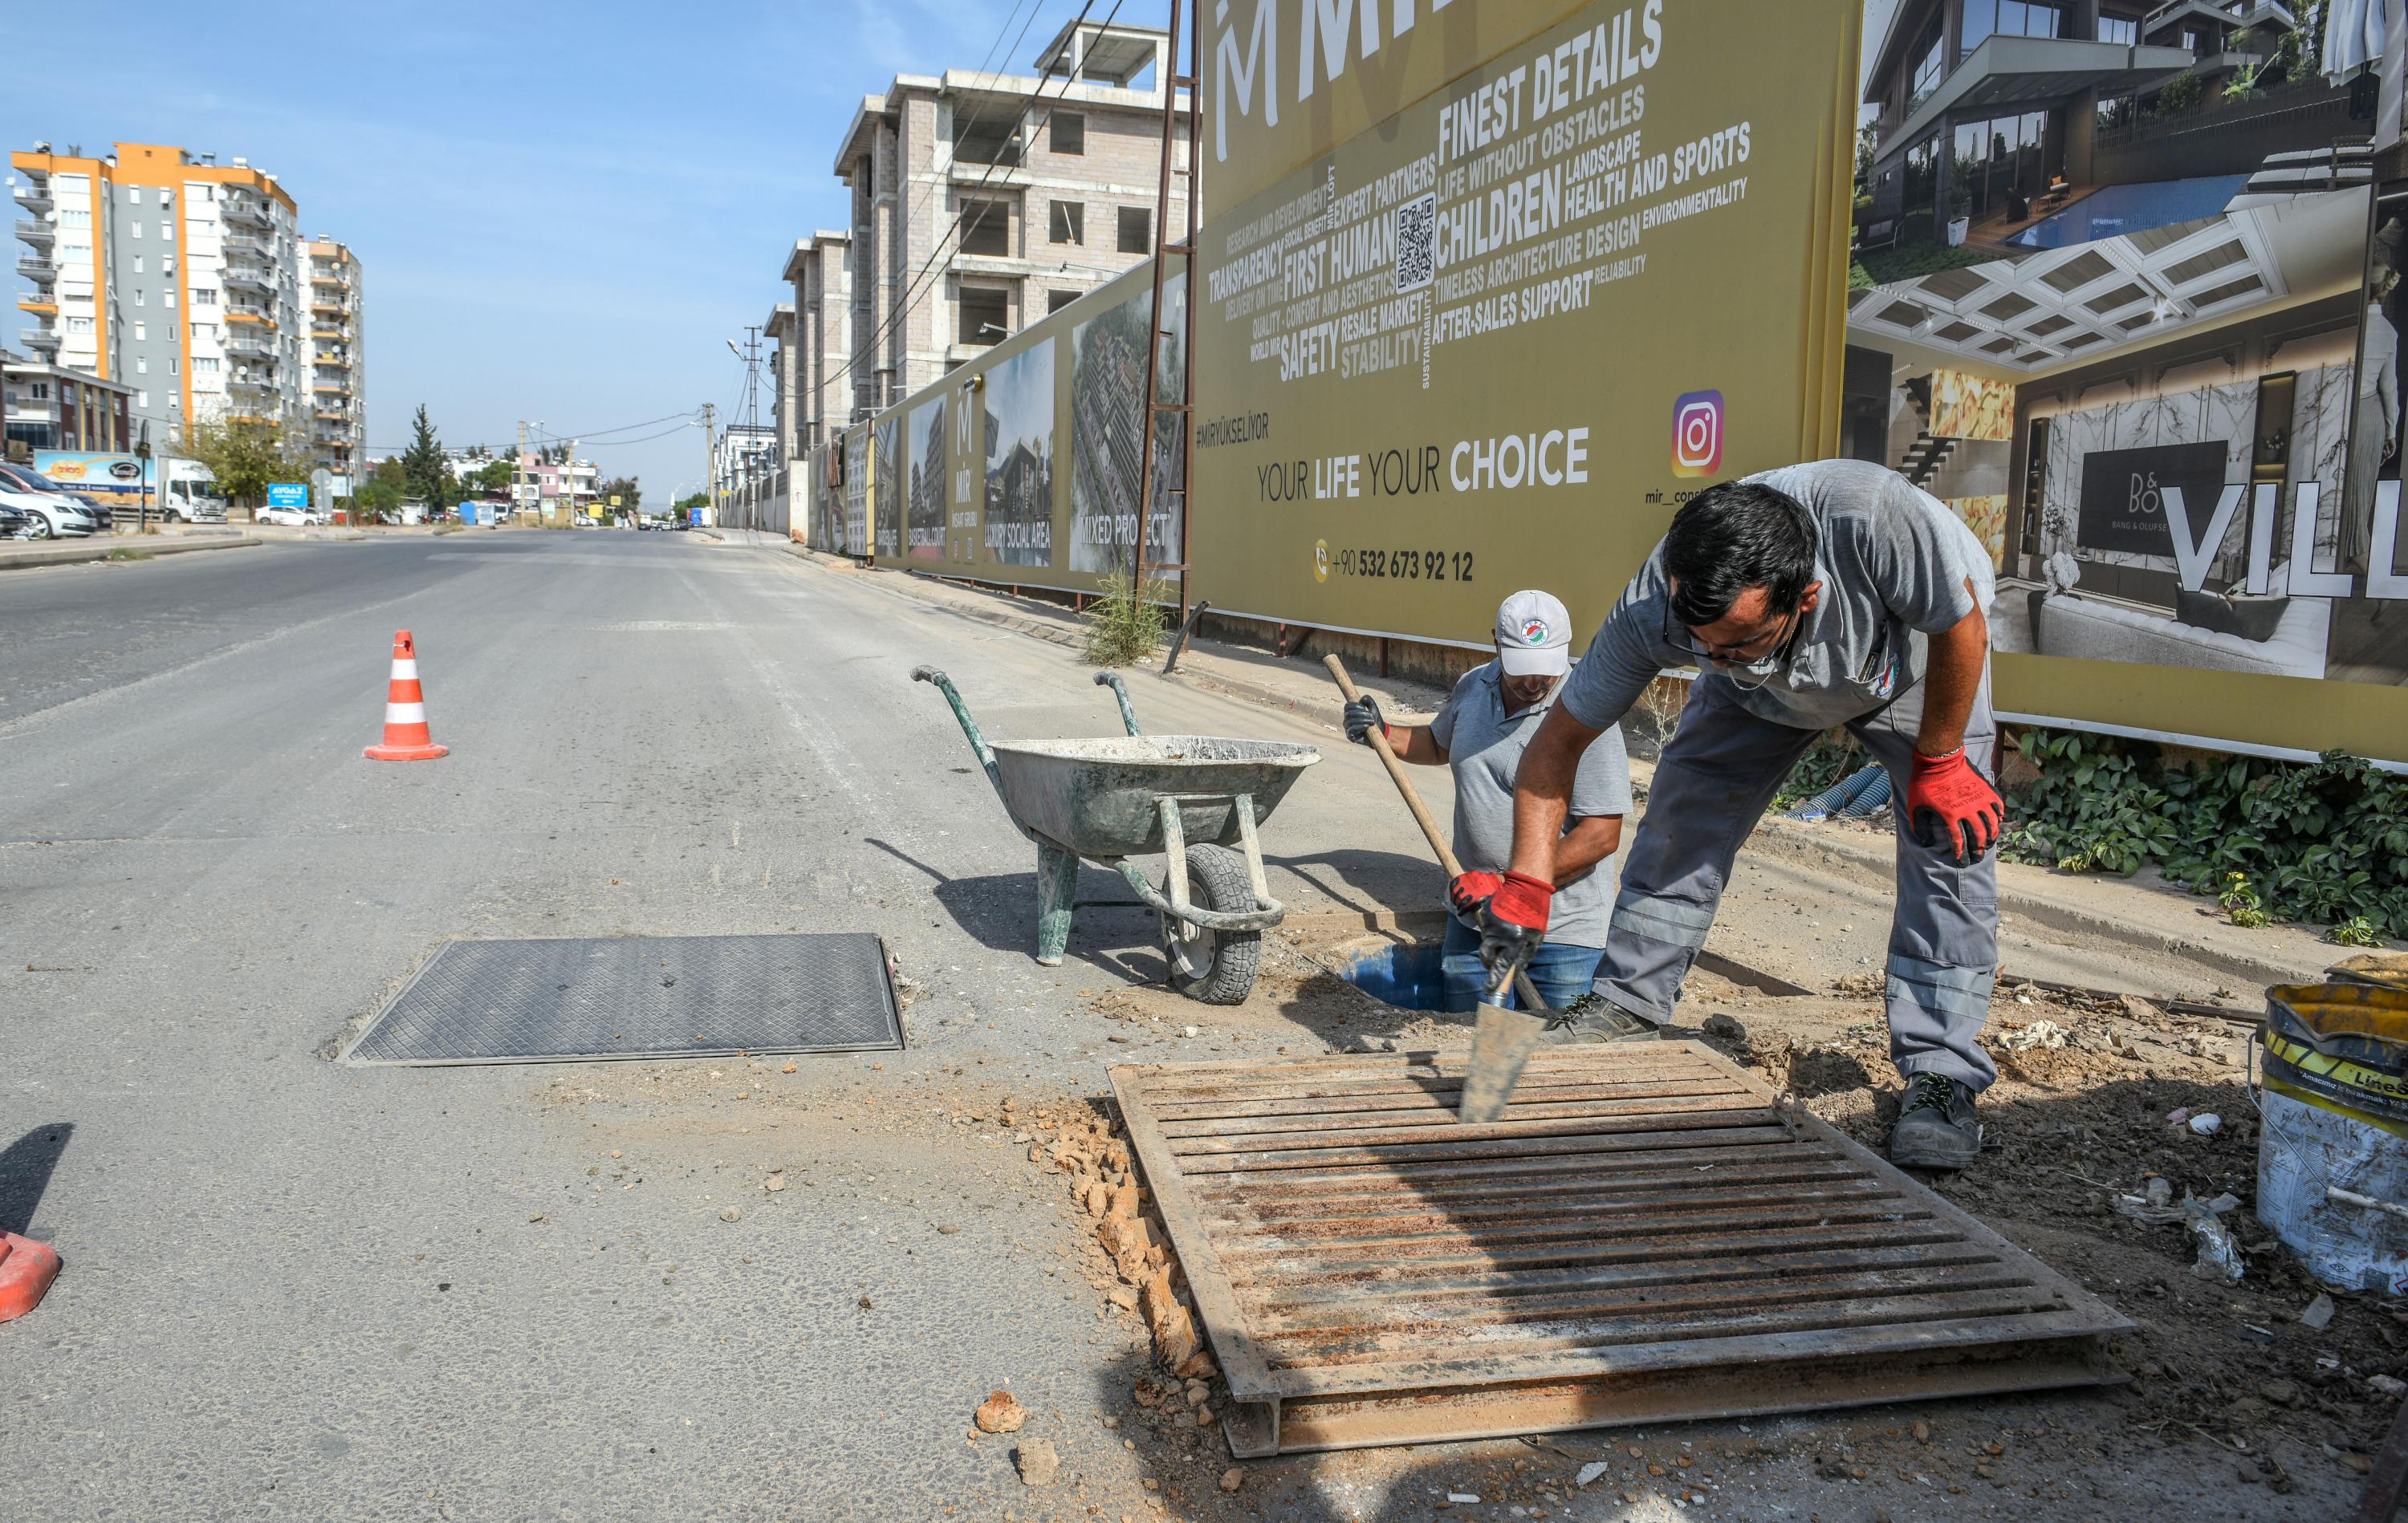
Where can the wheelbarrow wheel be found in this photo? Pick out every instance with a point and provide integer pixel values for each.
(1217, 967)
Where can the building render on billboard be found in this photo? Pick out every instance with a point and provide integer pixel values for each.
(2025, 101)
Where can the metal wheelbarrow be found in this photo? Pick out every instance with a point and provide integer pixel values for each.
(1189, 797)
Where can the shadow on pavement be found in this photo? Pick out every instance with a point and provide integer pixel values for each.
(25, 1167)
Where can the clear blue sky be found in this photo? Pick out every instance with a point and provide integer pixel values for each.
(562, 212)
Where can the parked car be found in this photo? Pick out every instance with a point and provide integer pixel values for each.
(294, 517)
(13, 524)
(48, 517)
(25, 479)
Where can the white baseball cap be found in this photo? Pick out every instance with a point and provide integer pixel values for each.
(1534, 635)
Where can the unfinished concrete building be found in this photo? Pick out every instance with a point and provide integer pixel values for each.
(981, 202)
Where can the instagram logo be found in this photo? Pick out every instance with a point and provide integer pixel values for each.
(1698, 434)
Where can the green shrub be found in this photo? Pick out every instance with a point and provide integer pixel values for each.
(1122, 625)
(2323, 841)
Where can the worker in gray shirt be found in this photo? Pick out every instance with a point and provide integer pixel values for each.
(1818, 595)
(1479, 733)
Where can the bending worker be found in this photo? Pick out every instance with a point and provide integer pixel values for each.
(1480, 734)
(1833, 593)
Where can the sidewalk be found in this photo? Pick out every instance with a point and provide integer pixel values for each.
(100, 546)
(2142, 913)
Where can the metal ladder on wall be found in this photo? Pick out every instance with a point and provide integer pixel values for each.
(1173, 82)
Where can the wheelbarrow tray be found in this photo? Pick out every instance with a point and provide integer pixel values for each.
(1098, 797)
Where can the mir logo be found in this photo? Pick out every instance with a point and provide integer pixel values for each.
(1698, 434)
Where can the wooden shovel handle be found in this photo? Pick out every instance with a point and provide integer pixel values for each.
(1396, 775)
(1413, 798)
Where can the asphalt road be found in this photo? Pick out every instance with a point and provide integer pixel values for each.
(296, 1288)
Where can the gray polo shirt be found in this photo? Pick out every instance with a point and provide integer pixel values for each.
(1893, 560)
(1483, 748)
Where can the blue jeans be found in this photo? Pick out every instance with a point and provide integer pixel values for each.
(1561, 973)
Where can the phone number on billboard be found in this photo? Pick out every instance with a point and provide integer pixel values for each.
(1402, 565)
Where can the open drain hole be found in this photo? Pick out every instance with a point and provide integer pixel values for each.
(1406, 974)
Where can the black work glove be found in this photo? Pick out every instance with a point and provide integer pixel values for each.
(1360, 719)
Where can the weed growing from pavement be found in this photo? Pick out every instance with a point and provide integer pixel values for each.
(1122, 625)
(128, 552)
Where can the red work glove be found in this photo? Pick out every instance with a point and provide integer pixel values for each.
(1512, 924)
(1951, 808)
(1469, 890)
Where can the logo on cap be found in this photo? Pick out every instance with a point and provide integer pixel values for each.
(1535, 631)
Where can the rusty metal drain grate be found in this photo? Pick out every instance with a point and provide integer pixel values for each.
(1647, 1235)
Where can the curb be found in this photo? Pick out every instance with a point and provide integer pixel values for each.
(99, 549)
(1873, 865)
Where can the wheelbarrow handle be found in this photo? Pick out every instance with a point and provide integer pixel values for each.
(1120, 692)
(979, 747)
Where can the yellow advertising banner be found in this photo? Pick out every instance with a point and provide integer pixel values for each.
(1494, 343)
(1020, 468)
(1286, 82)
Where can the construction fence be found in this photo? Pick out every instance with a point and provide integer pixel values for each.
(1491, 289)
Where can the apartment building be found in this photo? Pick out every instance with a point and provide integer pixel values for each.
(981, 202)
(50, 406)
(337, 358)
(176, 275)
(815, 346)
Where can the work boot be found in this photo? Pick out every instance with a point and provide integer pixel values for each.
(1935, 1126)
(1593, 1018)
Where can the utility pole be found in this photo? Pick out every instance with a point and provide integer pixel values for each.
(710, 463)
(518, 468)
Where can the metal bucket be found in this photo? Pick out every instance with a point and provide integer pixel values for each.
(1098, 797)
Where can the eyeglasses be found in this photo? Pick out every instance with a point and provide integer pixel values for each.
(1764, 656)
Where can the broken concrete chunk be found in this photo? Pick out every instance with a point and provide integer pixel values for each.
(1039, 1464)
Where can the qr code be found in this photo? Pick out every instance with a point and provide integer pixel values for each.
(1416, 242)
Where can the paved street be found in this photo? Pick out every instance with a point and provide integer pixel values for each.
(299, 1289)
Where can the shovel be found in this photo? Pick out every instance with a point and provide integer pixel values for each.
(1503, 1039)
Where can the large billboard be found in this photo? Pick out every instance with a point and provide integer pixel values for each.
(1017, 402)
(2194, 506)
(1494, 343)
(926, 481)
(1107, 401)
(1286, 82)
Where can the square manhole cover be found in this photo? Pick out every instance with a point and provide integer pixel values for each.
(604, 997)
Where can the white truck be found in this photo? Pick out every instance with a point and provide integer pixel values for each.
(179, 490)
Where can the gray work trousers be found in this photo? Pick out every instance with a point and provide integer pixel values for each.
(1722, 768)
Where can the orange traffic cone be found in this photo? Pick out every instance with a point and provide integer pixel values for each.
(26, 1269)
(405, 711)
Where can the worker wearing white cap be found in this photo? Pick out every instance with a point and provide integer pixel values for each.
(1478, 733)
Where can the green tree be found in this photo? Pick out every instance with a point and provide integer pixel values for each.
(624, 488)
(698, 499)
(245, 457)
(493, 475)
(422, 472)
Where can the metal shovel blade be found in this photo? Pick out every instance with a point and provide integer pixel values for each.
(1500, 1047)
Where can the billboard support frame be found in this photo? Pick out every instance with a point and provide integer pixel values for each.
(1184, 407)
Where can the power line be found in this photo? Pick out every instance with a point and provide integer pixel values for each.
(910, 297)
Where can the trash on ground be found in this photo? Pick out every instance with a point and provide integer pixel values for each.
(2041, 1034)
(2219, 1256)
